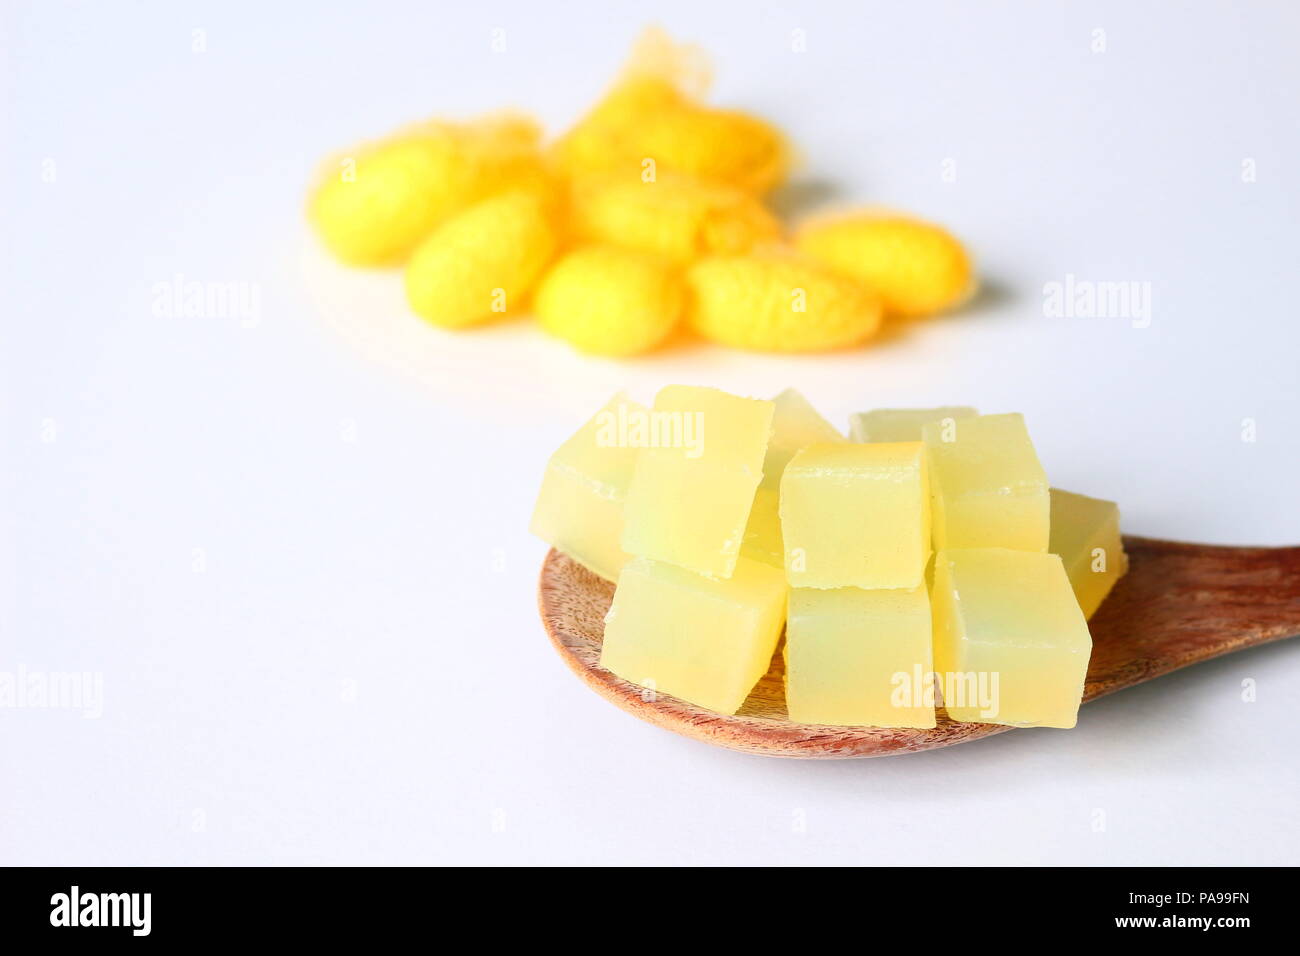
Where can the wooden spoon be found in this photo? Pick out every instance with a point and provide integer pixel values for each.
(1179, 604)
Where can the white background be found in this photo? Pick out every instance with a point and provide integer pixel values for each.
(295, 547)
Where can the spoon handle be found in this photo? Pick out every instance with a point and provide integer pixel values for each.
(1183, 603)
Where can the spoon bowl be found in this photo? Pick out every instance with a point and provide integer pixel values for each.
(1179, 604)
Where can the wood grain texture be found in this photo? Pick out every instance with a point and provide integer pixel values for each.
(1179, 604)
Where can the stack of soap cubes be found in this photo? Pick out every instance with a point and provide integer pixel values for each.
(693, 616)
(927, 551)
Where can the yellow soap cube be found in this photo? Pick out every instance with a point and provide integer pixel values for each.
(693, 485)
(1085, 533)
(795, 426)
(580, 508)
(990, 491)
(704, 640)
(1010, 642)
(856, 516)
(901, 424)
(859, 657)
(762, 541)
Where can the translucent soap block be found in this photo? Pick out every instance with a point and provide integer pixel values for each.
(901, 424)
(762, 540)
(1010, 643)
(856, 516)
(580, 508)
(859, 657)
(693, 486)
(1085, 533)
(705, 640)
(795, 426)
(990, 491)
